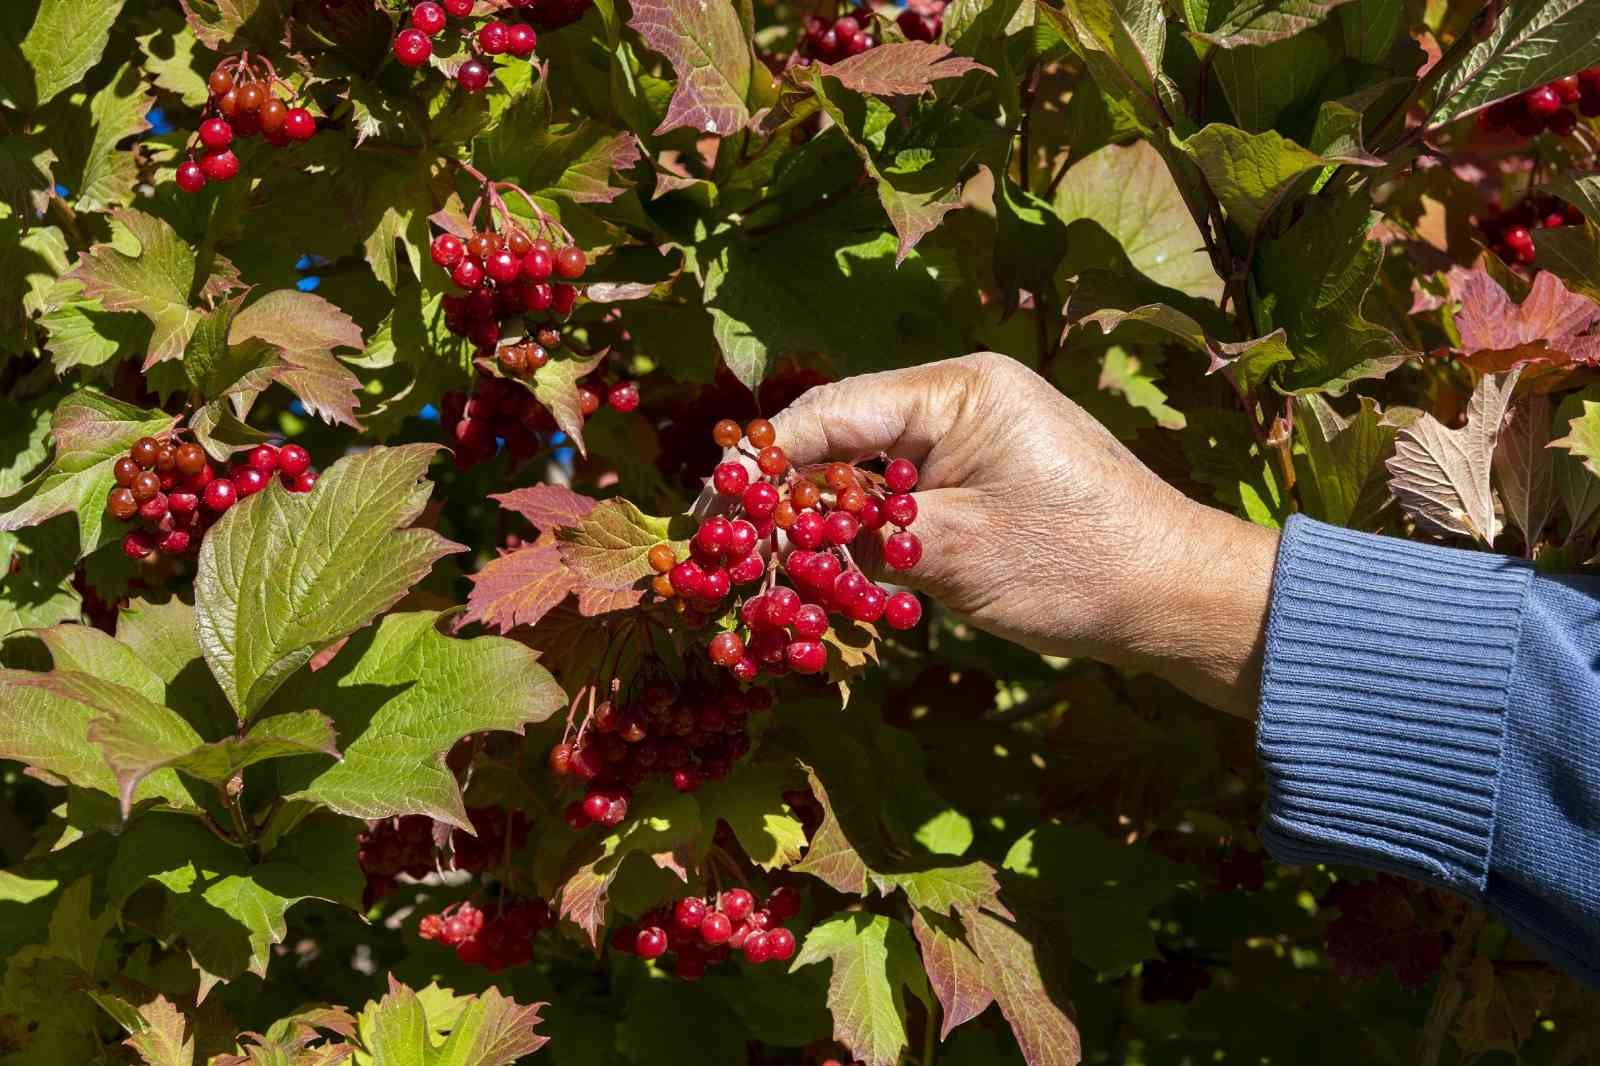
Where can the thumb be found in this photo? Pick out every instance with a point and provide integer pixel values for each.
(901, 412)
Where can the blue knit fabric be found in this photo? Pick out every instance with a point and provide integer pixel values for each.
(1436, 713)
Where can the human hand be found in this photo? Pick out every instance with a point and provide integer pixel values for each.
(1039, 526)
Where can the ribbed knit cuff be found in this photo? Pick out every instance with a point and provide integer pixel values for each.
(1383, 701)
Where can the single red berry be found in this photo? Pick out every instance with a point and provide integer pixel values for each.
(473, 76)
(468, 274)
(431, 927)
(563, 299)
(737, 904)
(902, 611)
(458, 8)
(806, 656)
(570, 261)
(685, 780)
(781, 605)
(780, 945)
(901, 509)
(304, 481)
(1541, 102)
(219, 82)
(502, 266)
(412, 48)
(750, 568)
(182, 504)
(715, 585)
(494, 37)
(624, 396)
(809, 530)
(842, 527)
(447, 250)
(760, 499)
(772, 460)
(715, 929)
(901, 475)
(1568, 88)
(216, 133)
(784, 903)
(220, 165)
(263, 457)
(755, 948)
(522, 41)
(687, 578)
(174, 542)
(293, 459)
(810, 622)
(689, 913)
(1520, 242)
(137, 544)
(651, 943)
(730, 479)
(537, 265)
(428, 17)
(870, 605)
(247, 480)
(712, 536)
(903, 550)
(742, 537)
(595, 805)
(589, 399)
(220, 495)
(191, 176)
(726, 649)
(299, 125)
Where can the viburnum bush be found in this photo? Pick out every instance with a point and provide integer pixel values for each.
(418, 645)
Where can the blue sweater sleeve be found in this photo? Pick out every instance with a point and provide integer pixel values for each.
(1435, 713)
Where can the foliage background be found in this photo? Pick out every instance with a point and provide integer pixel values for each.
(1241, 234)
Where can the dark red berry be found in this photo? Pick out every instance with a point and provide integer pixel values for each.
(299, 125)
(220, 495)
(901, 475)
(293, 459)
(216, 133)
(624, 396)
(428, 17)
(191, 176)
(412, 48)
(473, 76)
(263, 457)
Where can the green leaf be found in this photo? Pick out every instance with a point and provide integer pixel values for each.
(955, 974)
(1267, 84)
(1317, 298)
(46, 726)
(1128, 191)
(1576, 478)
(401, 695)
(1346, 482)
(26, 277)
(27, 180)
(1252, 173)
(102, 175)
(1251, 22)
(163, 1037)
(488, 1029)
(90, 431)
(81, 332)
(64, 42)
(218, 22)
(24, 438)
(1528, 45)
(155, 280)
(609, 547)
(229, 911)
(169, 48)
(1572, 253)
(555, 385)
(874, 964)
(1223, 455)
(519, 587)
(1122, 43)
(750, 801)
(708, 47)
(282, 575)
(36, 590)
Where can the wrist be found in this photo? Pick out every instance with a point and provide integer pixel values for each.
(1200, 617)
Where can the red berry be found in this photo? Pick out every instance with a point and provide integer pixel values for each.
(651, 943)
(293, 459)
(870, 605)
(685, 780)
(522, 41)
(446, 250)
(183, 503)
(726, 649)
(537, 266)
(903, 550)
(1541, 102)
(737, 904)
(563, 299)
(755, 948)
(220, 165)
(742, 537)
(304, 481)
(902, 611)
(1568, 88)
(494, 37)
(473, 76)
(1562, 123)
(191, 176)
(570, 261)
(216, 133)
(502, 266)
(715, 585)
(780, 945)
(806, 656)
(174, 542)
(412, 48)
(137, 544)
(428, 17)
(298, 125)
(595, 805)
(263, 457)
(810, 622)
(809, 530)
(588, 399)
(901, 475)
(458, 8)
(715, 929)
(220, 495)
(750, 568)
(624, 396)
(760, 500)
(574, 816)
(901, 509)
(730, 479)
(247, 480)
(848, 587)
(689, 913)
(784, 903)
(468, 274)
(687, 578)
(841, 527)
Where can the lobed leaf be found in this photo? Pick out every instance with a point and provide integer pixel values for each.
(1442, 476)
(609, 548)
(1524, 466)
(546, 507)
(155, 281)
(874, 965)
(708, 47)
(519, 587)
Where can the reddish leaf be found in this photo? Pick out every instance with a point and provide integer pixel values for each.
(955, 973)
(593, 601)
(904, 69)
(709, 49)
(519, 588)
(1045, 1032)
(831, 858)
(1552, 326)
(546, 506)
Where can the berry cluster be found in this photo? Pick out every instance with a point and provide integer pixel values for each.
(413, 45)
(701, 932)
(494, 941)
(822, 511)
(504, 278)
(244, 103)
(497, 410)
(1545, 107)
(408, 845)
(174, 492)
(833, 39)
(687, 734)
(922, 20)
(1510, 232)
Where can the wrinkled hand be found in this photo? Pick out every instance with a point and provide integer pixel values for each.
(1039, 526)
